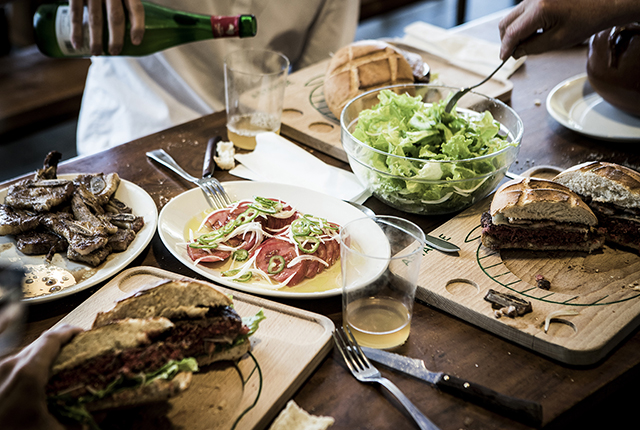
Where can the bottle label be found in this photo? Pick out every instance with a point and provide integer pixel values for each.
(63, 32)
(225, 26)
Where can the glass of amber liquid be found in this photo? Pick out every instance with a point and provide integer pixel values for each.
(254, 80)
(380, 258)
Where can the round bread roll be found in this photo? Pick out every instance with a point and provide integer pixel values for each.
(539, 199)
(604, 182)
(363, 66)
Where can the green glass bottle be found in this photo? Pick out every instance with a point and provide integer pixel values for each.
(164, 28)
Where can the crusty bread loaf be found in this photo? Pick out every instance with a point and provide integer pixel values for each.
(363, 66)
(170, 299)
(539, 199)
(603, 182)
(125, 334)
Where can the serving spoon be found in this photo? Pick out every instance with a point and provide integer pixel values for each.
(462, 91)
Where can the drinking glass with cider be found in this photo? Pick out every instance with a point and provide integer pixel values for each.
(255, 80)
(380, 258)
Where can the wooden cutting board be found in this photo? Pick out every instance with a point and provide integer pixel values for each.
(603, 287)
(287, 347)
(307, 119)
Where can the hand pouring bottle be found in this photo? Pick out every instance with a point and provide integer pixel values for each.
(164, 28)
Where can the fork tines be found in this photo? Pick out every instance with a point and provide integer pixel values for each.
(350, 350)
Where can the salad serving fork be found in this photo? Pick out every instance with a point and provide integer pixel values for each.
(212, 189)
(364, 371)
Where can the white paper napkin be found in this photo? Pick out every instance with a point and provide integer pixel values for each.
(276, 159)
(466, 52)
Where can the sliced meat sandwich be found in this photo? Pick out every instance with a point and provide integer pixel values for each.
(612, 191)
(158, 332)
(537, 214)
(206, 325)
(118, 365)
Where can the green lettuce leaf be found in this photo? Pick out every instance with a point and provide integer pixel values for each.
(404, 126)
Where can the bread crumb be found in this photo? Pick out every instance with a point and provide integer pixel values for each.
(537, 102)
(224, 156)
(293, 417)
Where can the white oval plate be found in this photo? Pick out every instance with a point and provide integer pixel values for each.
(174, 217)
(129, 193)
(575, 105)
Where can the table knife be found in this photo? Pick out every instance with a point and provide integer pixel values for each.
(432, 241)
(209, 164)
(522, 410)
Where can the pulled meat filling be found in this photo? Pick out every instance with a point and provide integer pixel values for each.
(189, 338)
(555, 234)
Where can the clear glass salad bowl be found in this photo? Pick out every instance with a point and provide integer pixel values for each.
(429, 163)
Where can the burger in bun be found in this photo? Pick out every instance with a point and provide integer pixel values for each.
(541, 215)
(366, 65)
(612, 192)
(145, 348)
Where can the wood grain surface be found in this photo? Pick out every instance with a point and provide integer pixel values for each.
(600, 395)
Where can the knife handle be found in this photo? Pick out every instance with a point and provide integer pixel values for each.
(522, 410)
(209, 165)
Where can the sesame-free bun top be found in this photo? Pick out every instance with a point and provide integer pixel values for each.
(363, 66)
(604, 182)
(539, 199)
(171, 299)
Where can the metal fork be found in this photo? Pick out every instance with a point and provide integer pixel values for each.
(212, 189)
(364, 371)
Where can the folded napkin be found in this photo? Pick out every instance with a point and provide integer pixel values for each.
(276, 159)
(466, 52)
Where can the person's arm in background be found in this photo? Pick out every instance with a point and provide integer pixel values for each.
(115, 20)
(334, 27)
(23, 376)
(537, 26)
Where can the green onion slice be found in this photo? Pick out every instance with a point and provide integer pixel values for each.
(276, 264)
(244, 278)
(240, 255)
(302, 241)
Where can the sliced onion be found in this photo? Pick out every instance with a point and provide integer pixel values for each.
(299, 258)
(435, 202)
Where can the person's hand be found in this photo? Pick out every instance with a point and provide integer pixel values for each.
(537, 26)
(115, 10)
(23, 376)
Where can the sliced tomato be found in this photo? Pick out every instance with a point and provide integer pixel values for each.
(218, 219)
(274, 246)
(207, 255)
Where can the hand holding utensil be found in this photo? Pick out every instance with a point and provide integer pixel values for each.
(363, 371)
(522, 410)
(462, 91)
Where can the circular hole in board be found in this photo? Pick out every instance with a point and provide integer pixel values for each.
(321, 127)
(461, 286)
(292, 113)
(559, 327)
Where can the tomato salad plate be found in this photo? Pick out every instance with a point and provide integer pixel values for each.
(59, 277)
(275, 240)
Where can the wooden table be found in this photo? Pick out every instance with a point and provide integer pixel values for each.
(572, 397)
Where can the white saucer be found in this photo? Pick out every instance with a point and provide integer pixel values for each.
(574, 104)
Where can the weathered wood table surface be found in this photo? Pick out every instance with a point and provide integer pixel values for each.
(572, 397)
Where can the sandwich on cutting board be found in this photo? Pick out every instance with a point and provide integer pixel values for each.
(540, 215)
(612, 191)
(145, 348)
